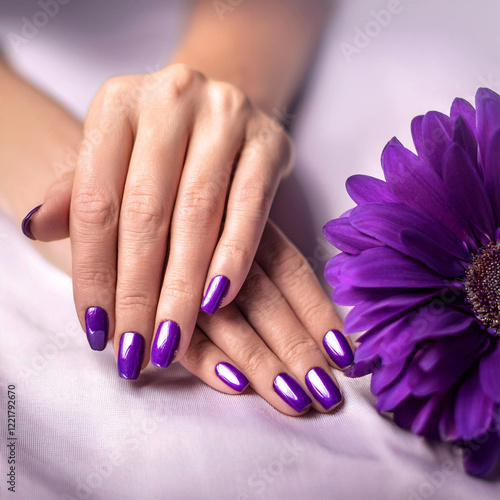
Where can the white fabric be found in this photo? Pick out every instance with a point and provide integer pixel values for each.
(85, 433)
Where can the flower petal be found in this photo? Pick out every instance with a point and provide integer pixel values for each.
(447, 424)
(366, 189)
(422, 247)
(362, 367)
(413, 181)
(347, 295)
(465, 138)
(386, 375)
(457, 353)
(436, 135)
(464, 109)
(394, 395)
(416, 133)
(425, 239)
(406, 412)
(332, 268)
(369, 313)
(491, 165)
(341, 234)
(439, 320)
(489, 373)
(384, 267)
(424, 324)
(426, 422)
(470, 396)
(462, 179)
(367, 359)
(481, 456)
(487, 118)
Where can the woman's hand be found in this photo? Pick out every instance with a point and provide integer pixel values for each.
(177, 170)
(281, 333)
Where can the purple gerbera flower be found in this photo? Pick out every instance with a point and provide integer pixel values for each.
(420, 263)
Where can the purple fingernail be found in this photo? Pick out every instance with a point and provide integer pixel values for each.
(165, 343)
(96, 326)
(291, 392)
(130, 355)
(323, 388)
(338, 348)
(26, 223)
(217, 290)
(231, 376)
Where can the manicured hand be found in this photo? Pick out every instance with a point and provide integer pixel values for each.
(172, 190)
(281, 335)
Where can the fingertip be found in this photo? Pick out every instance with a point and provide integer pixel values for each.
(165, 344)
(324, 389)
(338, 348)
(215, 294)
(131, 355)
(26, 224)
(232, 377)
(52, 221)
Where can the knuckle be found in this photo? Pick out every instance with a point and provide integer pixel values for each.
(228, 99)
(144, 212)
(181, 290)
(296, 350)
(86, 277)
(178, 79)
(281, 148)
(198, 205)
(235, 251)
(114, 93)
(135, 299)
(269, 141)
(253, 360)
(253, 201)
(95, 208)
(313, 313)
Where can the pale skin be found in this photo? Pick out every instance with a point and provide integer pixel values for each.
(181, 166)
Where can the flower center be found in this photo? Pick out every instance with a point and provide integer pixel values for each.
(482, 285)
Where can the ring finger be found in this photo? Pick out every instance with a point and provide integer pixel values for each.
(146, 210)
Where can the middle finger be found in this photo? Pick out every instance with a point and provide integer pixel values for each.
(145, 215)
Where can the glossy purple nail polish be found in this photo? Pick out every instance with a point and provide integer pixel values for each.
(26, 223)
(323, 388)
(231, 376)
(130, 355)
(165, 343)
(96, 326)
(216, 291)
(291, 392)
(338, 348)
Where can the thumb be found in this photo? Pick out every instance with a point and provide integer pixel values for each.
(50, 221)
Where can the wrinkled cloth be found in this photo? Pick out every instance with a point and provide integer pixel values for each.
(85, 433)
